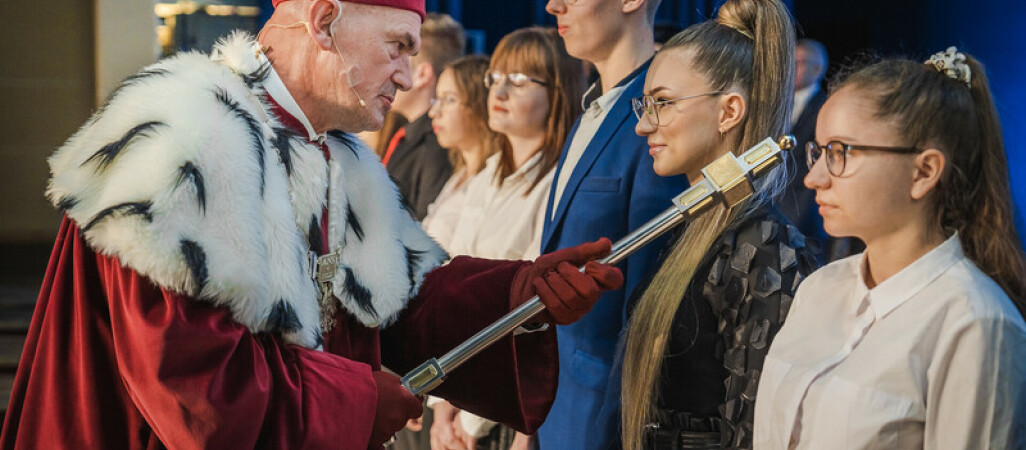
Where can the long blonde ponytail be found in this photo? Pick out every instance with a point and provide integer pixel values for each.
(652, 318)
(750, 46)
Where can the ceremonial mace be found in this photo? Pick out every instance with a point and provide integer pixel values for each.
(727, 180)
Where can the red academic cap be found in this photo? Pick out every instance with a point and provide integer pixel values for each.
(416, 6)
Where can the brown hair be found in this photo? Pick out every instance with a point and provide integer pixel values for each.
(468, 72)
(442, 40)
(749, 48)
(539, 52)
(973, 196)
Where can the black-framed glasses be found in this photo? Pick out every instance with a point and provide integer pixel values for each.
(837, 154)
(647, 107)
(516, 79)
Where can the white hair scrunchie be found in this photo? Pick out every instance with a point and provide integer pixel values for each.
(952, 63)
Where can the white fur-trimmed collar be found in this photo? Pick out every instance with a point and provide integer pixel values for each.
(186, 177)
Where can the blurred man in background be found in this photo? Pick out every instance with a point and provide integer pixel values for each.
(413, 157)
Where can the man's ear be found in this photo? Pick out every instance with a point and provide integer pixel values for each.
(423, 75)
(319, 17)
(630, 6)
(732, 111)
(929, 166)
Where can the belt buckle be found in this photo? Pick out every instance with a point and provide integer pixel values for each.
(660, 438)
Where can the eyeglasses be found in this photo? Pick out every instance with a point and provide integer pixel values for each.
(646, 107)
(516, 79)
(442, 102)
(837, 154)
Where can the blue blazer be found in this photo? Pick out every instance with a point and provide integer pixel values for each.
(612, 191)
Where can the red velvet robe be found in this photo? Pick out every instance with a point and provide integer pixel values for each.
(114, 362)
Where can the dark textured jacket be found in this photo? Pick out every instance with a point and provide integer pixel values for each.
(731, 311)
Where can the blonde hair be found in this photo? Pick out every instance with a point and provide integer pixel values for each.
(748, 47)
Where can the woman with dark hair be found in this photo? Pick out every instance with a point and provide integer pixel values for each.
(700, 327)
(917, 342)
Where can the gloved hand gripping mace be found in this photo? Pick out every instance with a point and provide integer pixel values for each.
(726, 180)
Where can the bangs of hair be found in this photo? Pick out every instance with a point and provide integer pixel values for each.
(524, 51)
(540, 53)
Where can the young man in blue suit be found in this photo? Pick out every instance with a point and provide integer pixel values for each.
(604, 186)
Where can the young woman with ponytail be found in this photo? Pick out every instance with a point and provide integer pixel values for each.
(700, 327)
(918, 342)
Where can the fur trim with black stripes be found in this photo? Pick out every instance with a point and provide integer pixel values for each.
(186, 177)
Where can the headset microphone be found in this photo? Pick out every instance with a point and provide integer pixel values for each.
(352, 72)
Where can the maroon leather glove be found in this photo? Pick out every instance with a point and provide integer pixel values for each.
(567, 293)
(396, 406)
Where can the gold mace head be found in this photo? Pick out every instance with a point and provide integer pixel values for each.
(787, 142)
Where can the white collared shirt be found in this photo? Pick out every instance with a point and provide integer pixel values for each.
(933, 357)
(480, 219)
(500, 222)
(801, 100)
(591, 120)
(444, 213)
(277, 90)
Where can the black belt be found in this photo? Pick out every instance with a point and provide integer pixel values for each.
(681, 430)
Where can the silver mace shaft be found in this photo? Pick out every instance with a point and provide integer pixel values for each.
(726, 180)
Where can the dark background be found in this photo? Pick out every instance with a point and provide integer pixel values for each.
(991, 30)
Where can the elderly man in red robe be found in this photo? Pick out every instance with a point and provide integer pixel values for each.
(234, 268)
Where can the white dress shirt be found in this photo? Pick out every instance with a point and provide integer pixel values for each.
(591, 120)
(481, 219)
(500, 222)
(934, 357)
(277, 90)
(801, 100)
(444, 213)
